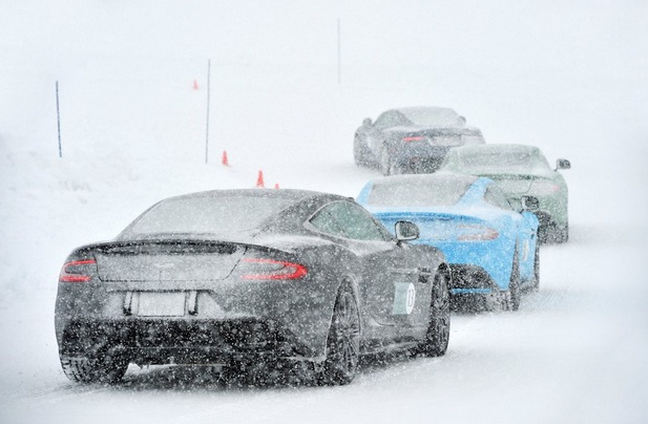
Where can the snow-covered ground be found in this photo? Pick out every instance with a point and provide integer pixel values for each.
(568, 76)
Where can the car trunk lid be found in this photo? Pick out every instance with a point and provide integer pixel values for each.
(512, 183)
(166, 262)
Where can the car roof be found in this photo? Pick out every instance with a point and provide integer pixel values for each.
(288, 194)
(414, 109)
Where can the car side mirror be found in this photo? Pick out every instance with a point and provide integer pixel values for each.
(406, 230)
(562, 164)
(530, 203)
(366, 122)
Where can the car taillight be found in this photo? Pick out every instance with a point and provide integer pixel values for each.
(414, 138)
(270, 269)
(475, 232)
(78, 271)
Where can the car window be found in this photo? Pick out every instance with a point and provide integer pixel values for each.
(502, 161)
(415, 191)
(206, 215)
(325, 221)
(344, 219)
(432, 116)
(390, 119)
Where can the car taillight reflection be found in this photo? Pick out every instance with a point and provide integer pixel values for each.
(543, 188)
(475, 232)
(414, 138)
(77, 271)
(270, 269)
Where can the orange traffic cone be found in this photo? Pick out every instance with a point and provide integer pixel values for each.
(276, 185)
(259, 183)
(224, 160)
(195, 85)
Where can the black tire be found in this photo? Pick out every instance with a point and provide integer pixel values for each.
(104, 369)
(562, 235)
(513, 297)
(536, 270)
(553, 234)
(438, 332)
(343, 342)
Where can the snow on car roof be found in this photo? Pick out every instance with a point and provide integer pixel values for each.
(432, 115)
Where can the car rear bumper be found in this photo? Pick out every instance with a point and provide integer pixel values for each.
(477, 266)
(179, 341)
(245, 318)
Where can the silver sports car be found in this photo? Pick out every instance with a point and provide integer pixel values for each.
(411, 139)
(284, 278)
(521, 170)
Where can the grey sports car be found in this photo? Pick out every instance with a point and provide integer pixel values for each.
(521, 170)
(411, 139)
(284, 278)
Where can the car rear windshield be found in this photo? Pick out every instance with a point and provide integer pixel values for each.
(208, 215)
(503, 161)
(414, 192)
(434, 117)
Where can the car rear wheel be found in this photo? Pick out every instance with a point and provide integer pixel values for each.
(100, 369)
(343, 342)
(552, 233)
(513, 297)
(438, 333)
(562, 235)
(536, 270)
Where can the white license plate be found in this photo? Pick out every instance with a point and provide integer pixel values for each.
(161, 304)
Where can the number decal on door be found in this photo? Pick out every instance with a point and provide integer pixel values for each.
(404, 298)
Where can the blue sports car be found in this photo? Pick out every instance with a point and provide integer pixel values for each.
(490, 246)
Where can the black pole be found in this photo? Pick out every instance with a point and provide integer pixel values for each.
(339, 52)
(207, 128)
(58, 120)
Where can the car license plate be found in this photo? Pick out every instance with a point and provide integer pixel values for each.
(161, 304)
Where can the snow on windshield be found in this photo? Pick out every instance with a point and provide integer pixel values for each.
(501, 161)
(432, 116)
(205, 215)
(418, 192)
